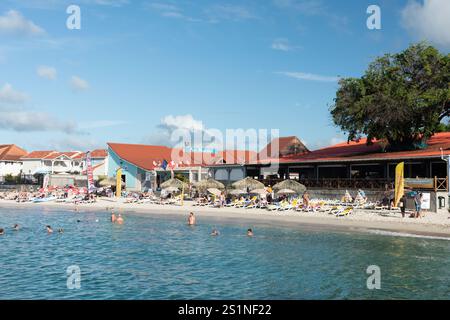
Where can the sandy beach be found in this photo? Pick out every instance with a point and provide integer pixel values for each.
(433, 224)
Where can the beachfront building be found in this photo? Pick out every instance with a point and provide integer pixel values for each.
(143, 166)
(147, 166)
(355, 164)
(241, 164)
(55, 162)
(329, 171)
(10, 160)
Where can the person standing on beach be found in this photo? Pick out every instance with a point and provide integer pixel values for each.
(191, 219)
(402, 205)
(418, 203)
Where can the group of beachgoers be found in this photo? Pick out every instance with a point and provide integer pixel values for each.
(214, 232)
(191, 222)
(16, 227)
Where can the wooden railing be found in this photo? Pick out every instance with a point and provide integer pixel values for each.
(441, 184)
(367, 184)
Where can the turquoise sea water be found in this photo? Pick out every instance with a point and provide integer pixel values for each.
(163, 258)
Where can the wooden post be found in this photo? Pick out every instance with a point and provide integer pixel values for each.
(435, 184)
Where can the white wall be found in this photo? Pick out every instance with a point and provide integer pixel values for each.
(9, 167)
(30, 165)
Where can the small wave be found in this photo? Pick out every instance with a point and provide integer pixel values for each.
(406, 235)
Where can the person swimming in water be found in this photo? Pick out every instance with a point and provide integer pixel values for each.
(191, 219)
(249, 232)
(2, 231)
(16, 227)
(60, 230)
(113, 217)
(119, 219)
(215, 232)
(49, 229)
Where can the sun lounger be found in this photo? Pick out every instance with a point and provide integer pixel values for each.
(344, 212)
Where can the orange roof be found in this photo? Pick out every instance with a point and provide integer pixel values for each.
(143, 156)
(11, 152)
(284, 144)
(37, 154)
(359, 151)
(99, 153)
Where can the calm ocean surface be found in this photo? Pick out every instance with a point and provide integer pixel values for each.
(163, 258)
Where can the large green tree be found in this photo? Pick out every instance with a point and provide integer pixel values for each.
(401, 99)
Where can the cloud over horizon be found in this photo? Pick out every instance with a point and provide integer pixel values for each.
(428, 20)
(14, 23)
(78, 84)
(309, 76)
(46, 72)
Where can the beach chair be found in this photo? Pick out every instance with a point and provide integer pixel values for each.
(252, 203)
(345, 212)
(273, 207)
(284, 206)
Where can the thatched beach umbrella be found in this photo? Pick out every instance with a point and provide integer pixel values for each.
(208, 184)
(174, 183)
(248, 184)
(215, 191)
(291, 185)
(237, 192)
(286, 191)
(107, 182)
(171, 190)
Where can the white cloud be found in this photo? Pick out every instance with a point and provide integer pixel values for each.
(169, 11)
(307, 7)
(79, 84)
(217, 13)
(74, 143)
(31, 121)
(186, 122)
(15, 117)
(309, 76)
(46, 72)
(13, 22)
(112, 3)
(172, 125)
(101, 124)
(8, 95)
(283, 44)
(429, 20)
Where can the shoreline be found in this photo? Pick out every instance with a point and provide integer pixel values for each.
(433, 225)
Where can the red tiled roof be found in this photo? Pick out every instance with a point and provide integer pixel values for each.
(284, 144)
(11, 152)
(70, 154)
(99, 153)
(359, 151)
(143, 156)
(37, 154)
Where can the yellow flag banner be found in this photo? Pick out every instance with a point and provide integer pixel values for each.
(119, 183)
(399, 183)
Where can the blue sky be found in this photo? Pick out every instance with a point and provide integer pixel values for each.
(137, 70)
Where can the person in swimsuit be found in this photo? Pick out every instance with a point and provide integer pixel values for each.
(191, 219)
